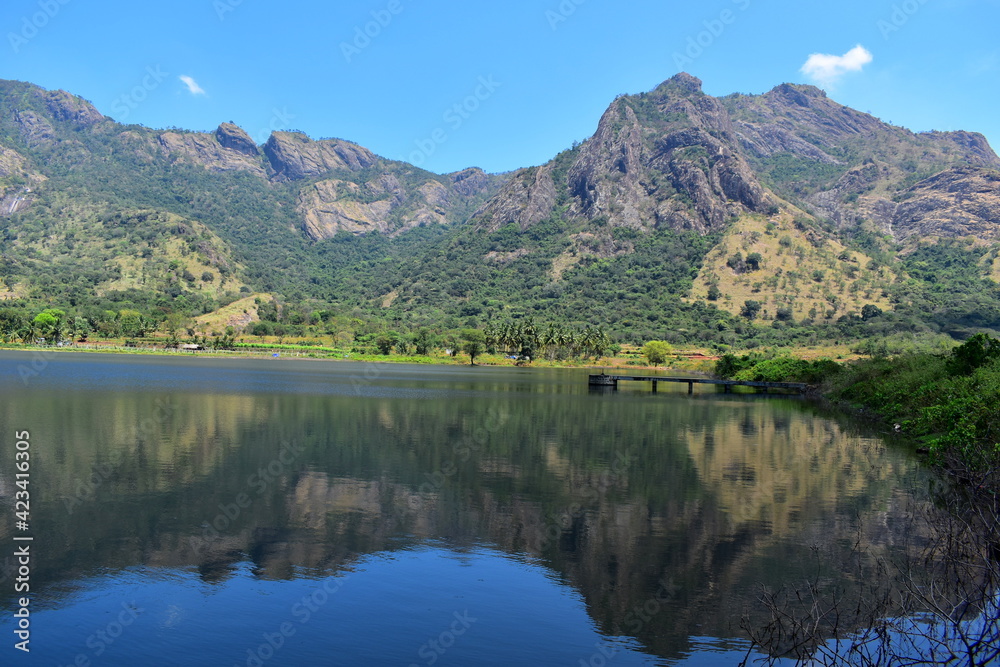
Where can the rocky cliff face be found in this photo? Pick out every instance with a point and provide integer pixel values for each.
(390, 202)
(227, 149)
(527, 199)
(34, 129)
(680, 159)
(235, 138)
(12, 163)
(70, 108)
(333, 206)
(369, 193)
(666, 159)
(17, 182)
(955, 203)
(294, 156)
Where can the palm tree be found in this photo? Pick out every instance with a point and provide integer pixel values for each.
(27, 334)
(507, 336)
(550, 341)
(529, 338)
(492, 335)
(602, 343)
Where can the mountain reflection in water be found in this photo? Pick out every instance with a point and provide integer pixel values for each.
(217, 493)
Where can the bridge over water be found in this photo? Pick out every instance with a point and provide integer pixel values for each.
(604, 380)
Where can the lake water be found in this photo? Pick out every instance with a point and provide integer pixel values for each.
(196, 511)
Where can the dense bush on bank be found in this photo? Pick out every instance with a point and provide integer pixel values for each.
(951, 401)
(760, 368)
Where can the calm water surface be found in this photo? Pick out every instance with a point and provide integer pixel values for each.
(194, 511)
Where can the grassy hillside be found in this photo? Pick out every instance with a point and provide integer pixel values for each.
(798, 272)
(84, 252)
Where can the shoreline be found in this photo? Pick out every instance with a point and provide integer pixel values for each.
(489, 361)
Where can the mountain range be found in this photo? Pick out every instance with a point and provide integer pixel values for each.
(685, 217)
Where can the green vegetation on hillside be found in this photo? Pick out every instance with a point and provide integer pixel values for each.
(113, 221)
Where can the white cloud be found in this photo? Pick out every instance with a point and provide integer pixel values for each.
(192, 85)
(827, 69)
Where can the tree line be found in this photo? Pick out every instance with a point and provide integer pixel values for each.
(527, 340)
(54, 325)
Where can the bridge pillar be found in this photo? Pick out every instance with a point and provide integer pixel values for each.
(690, 387)
(654, 386)
(603, 380)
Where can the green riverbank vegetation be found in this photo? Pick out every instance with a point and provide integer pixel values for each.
(949, 402)
(932, 599)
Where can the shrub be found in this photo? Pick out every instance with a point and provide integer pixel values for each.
(750, 309)
(735, 262)
(973, 353)
(656, 351)
(757, 368)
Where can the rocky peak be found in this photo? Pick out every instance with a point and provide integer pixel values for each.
(802, 95)
(66, 107)
(807, 111)
(235, 138)
(976, 148)
(295, 156)
(679, 103)
(615, 150)
(527, 199)
(682, 83)
(647, 150)
(470, 181)
(209, 151)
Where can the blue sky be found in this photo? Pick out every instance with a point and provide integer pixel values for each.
(529, 76)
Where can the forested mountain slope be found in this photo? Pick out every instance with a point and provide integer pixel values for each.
(685, 216)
